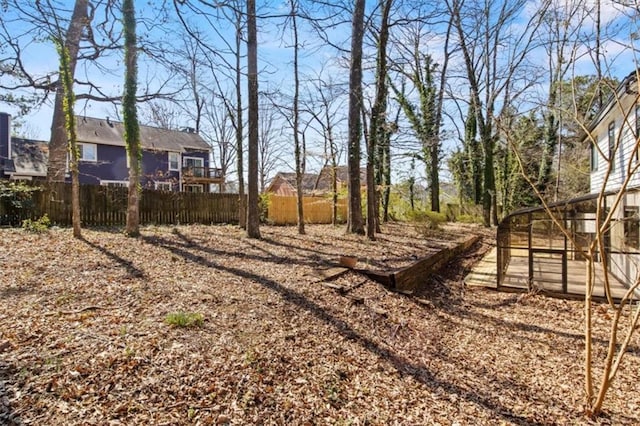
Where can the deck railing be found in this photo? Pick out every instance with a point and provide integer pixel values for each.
(202, 172)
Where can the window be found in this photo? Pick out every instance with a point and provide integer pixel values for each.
(87, 152)
(194, 166)
(115, 183)
(174, 161)
(164, 186)
(631, 227)
(594, 157)
(612, 144)
(193, 188)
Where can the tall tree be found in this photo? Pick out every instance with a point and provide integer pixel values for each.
(298, 150)
(561, 28)
(270, 149)
(325, 103)
(253, 208)
(474, 151)
(220, 131)
(238, 122)
(355, 222)
(494, 58)
(377, 126)
(130, 117)
(229, 53)
(68, 102)
(423, 119)
(58, 143)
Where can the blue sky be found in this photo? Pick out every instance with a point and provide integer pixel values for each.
(275, 62)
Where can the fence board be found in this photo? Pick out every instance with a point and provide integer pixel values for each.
(107, 206)
(283, 210)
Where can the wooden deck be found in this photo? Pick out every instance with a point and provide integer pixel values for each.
(547, 276)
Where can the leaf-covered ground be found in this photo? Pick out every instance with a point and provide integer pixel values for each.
(84, 339)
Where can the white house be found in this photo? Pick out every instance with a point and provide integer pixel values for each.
(615, 129)
(614, 163)
(533, 252)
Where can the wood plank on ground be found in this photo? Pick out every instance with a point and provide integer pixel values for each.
(326, 274)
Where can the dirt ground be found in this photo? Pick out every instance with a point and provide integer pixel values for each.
(84, 338)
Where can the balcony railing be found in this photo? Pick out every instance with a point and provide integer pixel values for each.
(202, 173)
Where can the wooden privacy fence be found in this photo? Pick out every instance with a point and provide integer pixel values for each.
(284, 211)
(107, 206)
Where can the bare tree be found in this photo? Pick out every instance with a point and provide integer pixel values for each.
(49, 20)
(298, 148)
(494, 57)
(326, 100)
(58, 143)
(270, 150)
(377, 130)
(212, 14)
(70, 127)
(562, 25)
(355, 221)
(615, 157)
(253, 209)
(220, 133)
(130, 116)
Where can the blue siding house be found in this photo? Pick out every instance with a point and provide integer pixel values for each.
(171, 160)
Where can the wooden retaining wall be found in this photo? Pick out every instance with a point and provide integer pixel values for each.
(413, 277)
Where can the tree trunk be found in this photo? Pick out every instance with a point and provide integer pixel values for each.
(334, 192)
(58, 142)
(355, 222)
(253, 211)
(130, 118)
(489, 182)
(242, 201)
(378, 121)
(550, 143)
(298, 154)
(588, 349)
(68, 103)
(434, 157)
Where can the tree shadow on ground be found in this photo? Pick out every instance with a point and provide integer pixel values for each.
(403, 365)
(315, 259)
(132, 270)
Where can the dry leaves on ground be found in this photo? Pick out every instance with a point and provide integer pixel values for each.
(84, 338)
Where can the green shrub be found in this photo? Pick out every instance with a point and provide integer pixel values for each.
(467, 218)
(264, 201)
(37, 226)
(425, 220)
(184, 319)
(15, 202)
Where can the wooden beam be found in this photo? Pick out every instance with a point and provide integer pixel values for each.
(409, 279)
(327, 274)
(413, 277)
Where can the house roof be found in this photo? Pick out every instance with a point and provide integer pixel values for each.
(308, 181)
(624, 88)
(317, 182)
(110, 132)
(30, 157)
(342, 175)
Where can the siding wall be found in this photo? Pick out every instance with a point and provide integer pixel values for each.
(112, 165)
(623, 116)
(623, 260)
